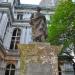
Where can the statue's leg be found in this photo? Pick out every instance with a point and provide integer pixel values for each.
(37, 39)
(42, 38)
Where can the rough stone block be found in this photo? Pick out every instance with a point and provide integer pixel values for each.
(38, 59)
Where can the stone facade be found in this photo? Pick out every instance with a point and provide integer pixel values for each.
(15, 17)
(38, 54)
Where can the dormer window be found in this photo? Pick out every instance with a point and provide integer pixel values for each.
(19, 16)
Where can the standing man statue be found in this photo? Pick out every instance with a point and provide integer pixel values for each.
(39, 26)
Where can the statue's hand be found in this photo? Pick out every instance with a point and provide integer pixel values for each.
(31, 22)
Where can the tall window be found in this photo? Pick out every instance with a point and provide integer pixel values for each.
(10, 69)
(15, 38)
(8, 24)
(1, 15)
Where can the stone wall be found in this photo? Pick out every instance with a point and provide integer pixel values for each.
(41, 54)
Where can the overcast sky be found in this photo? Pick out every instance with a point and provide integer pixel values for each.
(73, 0)
(36, 2)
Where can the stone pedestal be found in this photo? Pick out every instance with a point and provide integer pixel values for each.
(38, 59)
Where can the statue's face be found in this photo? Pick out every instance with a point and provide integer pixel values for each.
(38, 9)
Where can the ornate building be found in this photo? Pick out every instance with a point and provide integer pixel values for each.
(15, 29)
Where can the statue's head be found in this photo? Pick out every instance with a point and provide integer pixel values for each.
(38, 9)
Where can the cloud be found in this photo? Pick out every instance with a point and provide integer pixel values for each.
(30, 1)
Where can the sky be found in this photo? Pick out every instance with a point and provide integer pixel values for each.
(35, 2)
(73, 0)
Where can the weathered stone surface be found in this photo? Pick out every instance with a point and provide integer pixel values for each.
(39, 53)
(38, 69)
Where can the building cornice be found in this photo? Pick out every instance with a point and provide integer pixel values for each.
(33, 7)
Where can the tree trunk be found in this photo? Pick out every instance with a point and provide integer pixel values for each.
(74, 68)
(73, 61)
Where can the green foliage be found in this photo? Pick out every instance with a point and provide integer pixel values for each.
(63, 22)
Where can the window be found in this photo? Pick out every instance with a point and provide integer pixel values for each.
(10, 69)
(1, 15)
(8, 24)
(19, 16)
(15, 38)
(1, 1)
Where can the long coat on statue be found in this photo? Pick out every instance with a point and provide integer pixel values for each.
(39, 27)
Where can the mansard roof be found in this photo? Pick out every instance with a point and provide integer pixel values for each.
(30, 6)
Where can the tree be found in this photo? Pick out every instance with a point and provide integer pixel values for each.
(61, 30)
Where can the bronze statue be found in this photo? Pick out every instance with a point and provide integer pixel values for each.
(39, 26)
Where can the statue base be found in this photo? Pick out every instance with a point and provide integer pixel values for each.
(38, 59)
